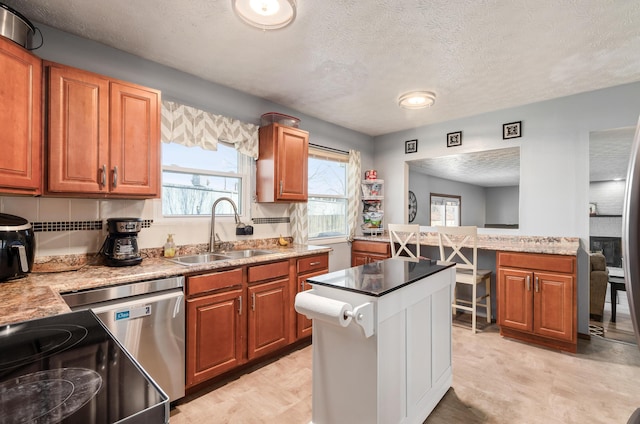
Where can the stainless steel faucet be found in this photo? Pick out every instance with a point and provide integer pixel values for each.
(212, 240)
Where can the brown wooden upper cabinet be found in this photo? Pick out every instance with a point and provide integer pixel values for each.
(103, 135)
(20, 120)
(282, 164)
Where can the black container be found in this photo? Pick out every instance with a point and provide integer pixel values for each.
(17, 247)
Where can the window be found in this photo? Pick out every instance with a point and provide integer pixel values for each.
(327, 206)
(193, 178)
(445, 210)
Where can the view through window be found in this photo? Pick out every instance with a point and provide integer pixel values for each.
(327, 206)
(194, 178)
(445, 210)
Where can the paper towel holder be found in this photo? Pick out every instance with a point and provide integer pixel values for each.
(363, 316)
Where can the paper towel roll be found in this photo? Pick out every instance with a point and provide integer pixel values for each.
(322, 308)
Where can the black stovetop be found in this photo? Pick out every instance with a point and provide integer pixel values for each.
(69, 369)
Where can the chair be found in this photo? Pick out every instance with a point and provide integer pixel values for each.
(467, 271)
(598, 279)
(403, 234)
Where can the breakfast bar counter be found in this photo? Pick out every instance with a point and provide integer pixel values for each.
(381, 340)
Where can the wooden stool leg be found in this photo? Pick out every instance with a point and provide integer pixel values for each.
(474, 302)
(488, 292)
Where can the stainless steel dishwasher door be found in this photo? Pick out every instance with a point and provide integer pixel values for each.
(152, 328)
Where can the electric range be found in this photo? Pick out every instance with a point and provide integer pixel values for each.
(69, 369)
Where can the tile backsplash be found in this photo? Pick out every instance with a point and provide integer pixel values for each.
(65, 226)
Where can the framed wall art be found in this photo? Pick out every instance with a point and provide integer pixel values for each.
(411, 146)
(454, 139)
(512, 130)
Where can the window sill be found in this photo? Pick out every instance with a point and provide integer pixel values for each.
(327, 240)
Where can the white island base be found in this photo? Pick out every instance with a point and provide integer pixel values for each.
(400, 373)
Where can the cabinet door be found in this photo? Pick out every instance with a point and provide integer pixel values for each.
(358, 259)
(291, 166)
(515, 299)
(214, 335)
(554, 307)
(20, 120)
(78, 133)
(303, 324)
(268, 317)
(135, 140)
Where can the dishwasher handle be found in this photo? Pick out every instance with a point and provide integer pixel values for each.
(139, 306)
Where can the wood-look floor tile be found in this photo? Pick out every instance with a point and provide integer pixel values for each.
(495, 380)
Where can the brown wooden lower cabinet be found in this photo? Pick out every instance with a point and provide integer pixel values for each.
(537, 299)
(268, 319)
(238, 315)
(307, 268)
(214, 335)
(364, 252)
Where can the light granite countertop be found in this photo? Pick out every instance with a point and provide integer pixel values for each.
(500, 242)
(38, 294)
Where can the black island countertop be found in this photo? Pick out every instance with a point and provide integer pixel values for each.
(380, 278)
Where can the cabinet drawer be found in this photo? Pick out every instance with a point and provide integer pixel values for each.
(371, 246)
(313, 263)
(218, 280)
(268, 271)
(553, 263)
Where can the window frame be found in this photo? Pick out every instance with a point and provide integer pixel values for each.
(334, 155)
(246, 167)
(446, 196)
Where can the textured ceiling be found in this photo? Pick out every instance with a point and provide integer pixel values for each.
(347, 62)
(490, 168)
(609, 153)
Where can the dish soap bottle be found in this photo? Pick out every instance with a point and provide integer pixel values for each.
(169, 247)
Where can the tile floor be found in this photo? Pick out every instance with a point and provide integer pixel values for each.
(496, 380)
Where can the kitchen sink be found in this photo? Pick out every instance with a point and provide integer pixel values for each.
(249, 253)
(203, 258)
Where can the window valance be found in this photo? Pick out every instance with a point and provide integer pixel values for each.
(191, 126)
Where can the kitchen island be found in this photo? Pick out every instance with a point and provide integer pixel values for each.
(389, 358)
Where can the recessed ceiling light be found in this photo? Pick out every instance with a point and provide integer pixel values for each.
(417, 99)
(265, 14)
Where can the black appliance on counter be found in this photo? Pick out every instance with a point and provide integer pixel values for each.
(17, 247)
(69, 369)
(121, 245)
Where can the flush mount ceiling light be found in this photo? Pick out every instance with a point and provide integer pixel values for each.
(265, 14)
(417, 99)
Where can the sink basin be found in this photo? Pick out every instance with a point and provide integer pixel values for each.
(203, 258)
(249, 253)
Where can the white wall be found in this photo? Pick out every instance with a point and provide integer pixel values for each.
(554, 160)
(608, 197)
(473, 198)
(502, 205)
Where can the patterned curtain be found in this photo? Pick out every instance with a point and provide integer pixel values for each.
(190, 126)
(299, 224)
(353, 192)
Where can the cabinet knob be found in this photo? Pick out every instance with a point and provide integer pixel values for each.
(239, 305)
(537, 285)
(253, 301)
(528, 283)
(115, 176)
(280, 187)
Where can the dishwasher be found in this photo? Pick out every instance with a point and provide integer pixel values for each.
(148, 319)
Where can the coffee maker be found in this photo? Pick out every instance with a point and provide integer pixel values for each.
(121, 246)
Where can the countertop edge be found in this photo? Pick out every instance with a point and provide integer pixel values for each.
(38, 294)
